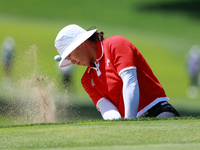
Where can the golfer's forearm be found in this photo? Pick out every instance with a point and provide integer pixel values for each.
(108, 110)
(130, 92)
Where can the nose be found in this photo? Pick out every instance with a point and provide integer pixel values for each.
(78, 63)
(73, 61)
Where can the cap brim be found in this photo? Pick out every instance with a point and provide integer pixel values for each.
(65, 62)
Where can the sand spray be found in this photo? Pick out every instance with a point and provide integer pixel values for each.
(33, 94)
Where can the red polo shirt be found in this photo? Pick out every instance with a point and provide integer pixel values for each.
(113, 55)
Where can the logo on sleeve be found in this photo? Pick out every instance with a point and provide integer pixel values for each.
(108, 61)
(92, 82)
(97, 68)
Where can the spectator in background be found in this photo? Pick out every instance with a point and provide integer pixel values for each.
(193, 70)
(66, 75)
(7, 50)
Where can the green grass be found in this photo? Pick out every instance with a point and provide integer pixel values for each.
(173, 133)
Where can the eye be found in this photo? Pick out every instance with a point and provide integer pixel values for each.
(68, 57)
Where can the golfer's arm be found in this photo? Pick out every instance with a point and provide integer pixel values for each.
(108, 110)
(130, 91)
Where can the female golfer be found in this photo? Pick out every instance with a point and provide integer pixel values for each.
(118, 79)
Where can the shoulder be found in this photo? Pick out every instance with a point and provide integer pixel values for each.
(116, 39)
(118, 42)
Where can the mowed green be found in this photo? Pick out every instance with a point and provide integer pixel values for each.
(152, 134)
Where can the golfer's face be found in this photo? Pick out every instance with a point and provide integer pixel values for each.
(80, 56)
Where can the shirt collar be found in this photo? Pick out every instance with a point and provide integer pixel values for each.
(99, 51)
(99, 55)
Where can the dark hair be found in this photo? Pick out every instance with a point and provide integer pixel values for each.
(97, 36)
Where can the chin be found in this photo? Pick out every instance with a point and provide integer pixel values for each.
(84, 65)
(81, 64)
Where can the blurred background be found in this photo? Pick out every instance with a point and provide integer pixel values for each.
(32, 87)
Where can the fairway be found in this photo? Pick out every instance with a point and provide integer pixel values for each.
(174, 133)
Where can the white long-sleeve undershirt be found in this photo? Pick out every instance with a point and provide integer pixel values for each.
(130, 95)
(130, 91)
(108, 110)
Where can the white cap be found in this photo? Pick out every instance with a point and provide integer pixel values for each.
(68, 39)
